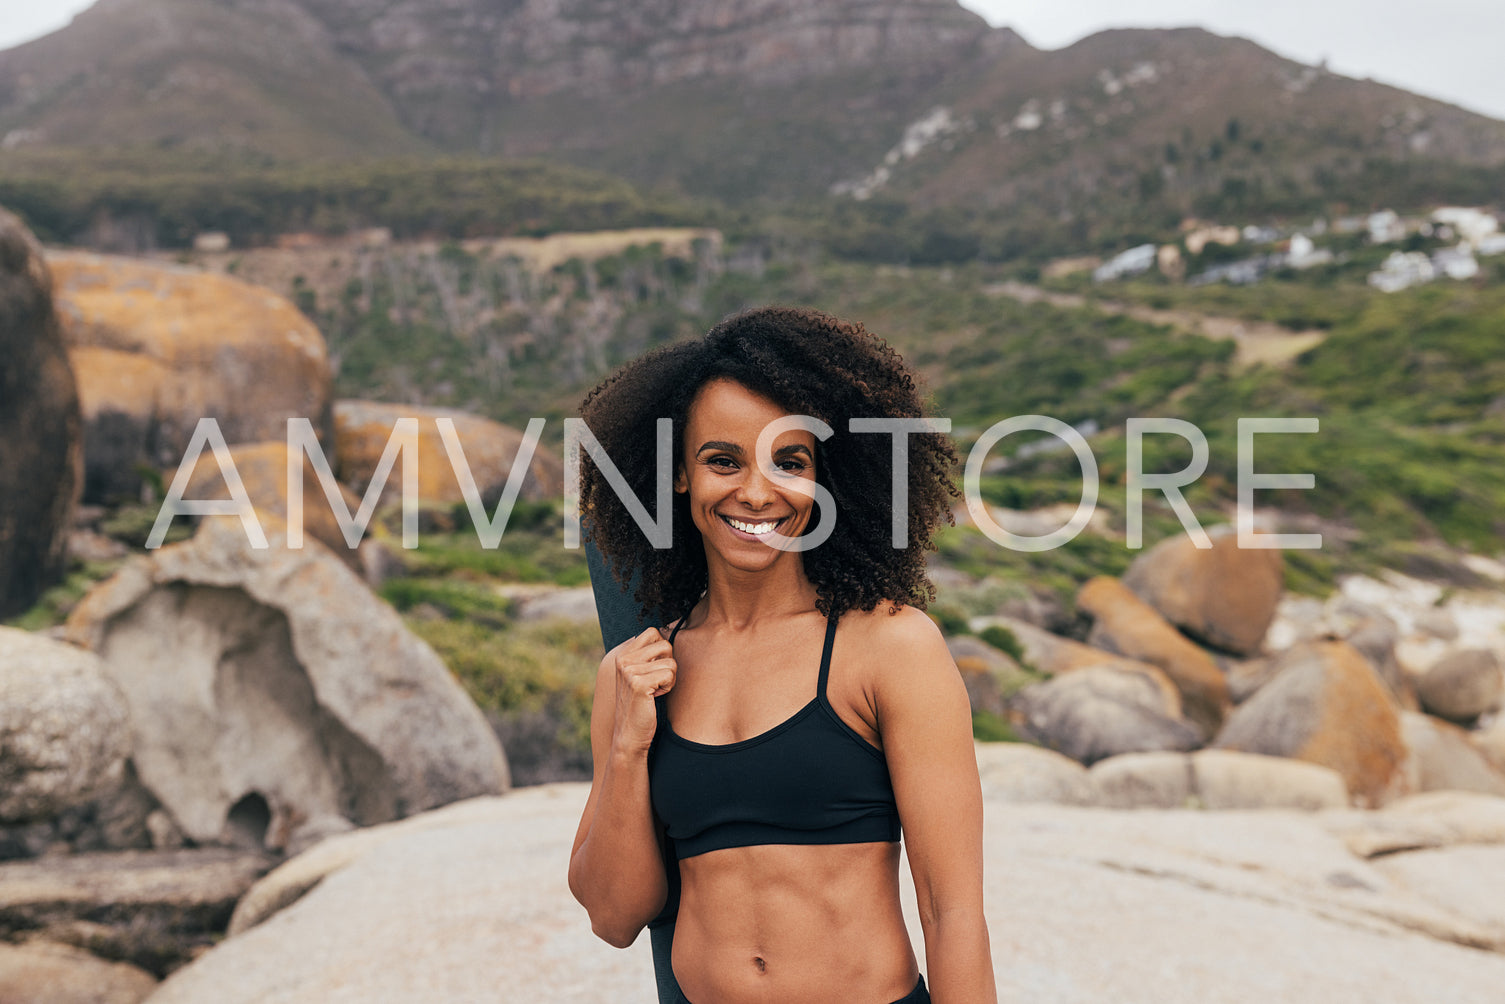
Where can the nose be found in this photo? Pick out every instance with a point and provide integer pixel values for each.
(756, 491)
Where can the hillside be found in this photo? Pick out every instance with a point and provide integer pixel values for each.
(1407, 386)
(869, 114)
(1143, 126)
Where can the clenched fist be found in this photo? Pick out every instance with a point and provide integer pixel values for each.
(645, 669)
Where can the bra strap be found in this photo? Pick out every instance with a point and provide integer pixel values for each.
(658, 702)
(825, 657)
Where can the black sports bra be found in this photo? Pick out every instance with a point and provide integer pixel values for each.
(811, 779)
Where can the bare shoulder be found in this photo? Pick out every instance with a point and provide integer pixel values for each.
(903, 641)
(885, 625)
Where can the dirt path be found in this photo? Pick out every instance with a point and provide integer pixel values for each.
(1256, 341)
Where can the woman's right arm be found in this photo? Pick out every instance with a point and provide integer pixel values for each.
(616, 869)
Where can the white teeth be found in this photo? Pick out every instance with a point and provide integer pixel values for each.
(755, 528)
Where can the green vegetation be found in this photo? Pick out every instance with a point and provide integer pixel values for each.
(991, 728)
(1319, 299)
(132, 525)
(522, 667)
(493, 337)
(1005, 641)
(1410, 393)
(533, 679)
(531, 550)
(168, 198)
(476, 602)
(1408, 389)
(949, 619)
(54, 605)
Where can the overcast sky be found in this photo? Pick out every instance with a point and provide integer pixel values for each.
(1449, 49)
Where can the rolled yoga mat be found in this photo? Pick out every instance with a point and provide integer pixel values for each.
(621, 618)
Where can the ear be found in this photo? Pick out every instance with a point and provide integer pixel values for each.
(681, 483)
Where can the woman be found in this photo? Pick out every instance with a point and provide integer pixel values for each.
(801, 709)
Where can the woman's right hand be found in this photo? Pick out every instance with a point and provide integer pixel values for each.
(644, 669)
(616, 863)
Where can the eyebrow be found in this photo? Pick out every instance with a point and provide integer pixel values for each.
(725, 447)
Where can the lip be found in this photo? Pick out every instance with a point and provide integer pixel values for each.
(743, 534)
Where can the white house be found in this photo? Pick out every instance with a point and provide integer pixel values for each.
(1455, 263)
(1131, 262)
(1401, 270)
(1303, 253)
(1473, 226)
(1385, 227)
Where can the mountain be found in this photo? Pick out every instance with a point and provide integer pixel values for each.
(894, 106)
(1129, 120)
(301, 78)
(263, 77)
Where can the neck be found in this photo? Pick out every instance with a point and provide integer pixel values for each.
(736, 598)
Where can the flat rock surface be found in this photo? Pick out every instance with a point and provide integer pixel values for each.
(41, 973)
(469, 903)
(474, 911)
(155, 909)
(200, 875)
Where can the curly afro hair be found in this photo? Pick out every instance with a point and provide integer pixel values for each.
(809, 363)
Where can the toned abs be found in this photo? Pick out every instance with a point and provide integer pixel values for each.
(791, 923)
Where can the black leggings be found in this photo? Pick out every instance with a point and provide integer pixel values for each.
(919, 995)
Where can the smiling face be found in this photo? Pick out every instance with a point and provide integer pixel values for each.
(732, 502)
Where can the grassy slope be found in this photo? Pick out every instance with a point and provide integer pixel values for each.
(60, 195)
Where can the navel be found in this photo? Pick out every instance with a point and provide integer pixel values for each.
(758, 961)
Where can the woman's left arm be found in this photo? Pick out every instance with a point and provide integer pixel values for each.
(925, 722)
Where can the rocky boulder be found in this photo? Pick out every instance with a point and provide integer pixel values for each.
(1246, 676)
(1224, 596)
(1462, 685)
(41, 446)
(543, 602)
(39, 972)
(1326, 705)
(64, 732)
(1151, 780)
(1297, 618)
(1097, 712)
(124, 817)
(1126, 625)
(1427, 820)
(157, 347)
(990, 675)
(1225, 779)
(1214, 779)
(273, 698)
(154, 909)
(1021, 773)
(262, 468)
(363, 428)
(1491, 741)
(1443, 757)
(1376, 638)
(1155, 907)
(1054, 655)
